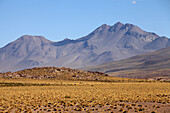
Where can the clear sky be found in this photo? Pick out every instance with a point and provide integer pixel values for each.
(60, 19)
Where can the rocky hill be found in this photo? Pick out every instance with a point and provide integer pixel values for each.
(54, 73)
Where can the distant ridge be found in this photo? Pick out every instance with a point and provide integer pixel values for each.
(154, 64)
(105, 44)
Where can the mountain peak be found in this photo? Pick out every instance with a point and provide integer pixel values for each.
(103, 26)
(118, 23)
(116, 27)
(31, 37)
(66, 39)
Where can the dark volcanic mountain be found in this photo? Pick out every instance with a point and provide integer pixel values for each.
(154, 64)
(105, 44)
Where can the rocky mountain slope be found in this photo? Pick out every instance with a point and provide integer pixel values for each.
(105, 44)
(154, 64)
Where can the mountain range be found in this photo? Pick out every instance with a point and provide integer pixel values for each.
(105, 44)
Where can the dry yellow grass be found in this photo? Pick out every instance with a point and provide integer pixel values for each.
(83, 96)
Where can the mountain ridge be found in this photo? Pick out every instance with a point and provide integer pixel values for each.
(105, 44)
(154, 64)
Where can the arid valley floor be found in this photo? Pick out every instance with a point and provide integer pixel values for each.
(49, 95)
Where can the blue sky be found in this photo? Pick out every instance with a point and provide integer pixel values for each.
(60, 19)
